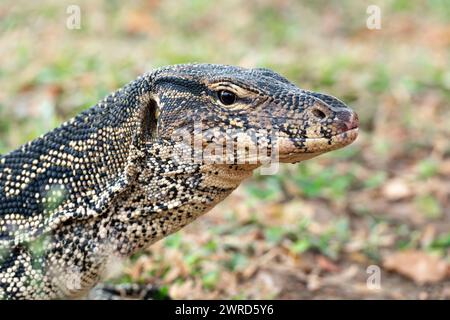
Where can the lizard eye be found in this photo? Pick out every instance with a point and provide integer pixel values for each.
(226, 97)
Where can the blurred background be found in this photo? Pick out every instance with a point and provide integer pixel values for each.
(368, 221)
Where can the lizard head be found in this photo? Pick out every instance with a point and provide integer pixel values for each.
(241, 115)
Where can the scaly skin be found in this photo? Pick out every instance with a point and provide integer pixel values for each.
(137, 167)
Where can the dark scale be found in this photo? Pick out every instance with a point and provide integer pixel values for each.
(105, 184)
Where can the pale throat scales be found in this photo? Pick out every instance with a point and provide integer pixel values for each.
(166, 197)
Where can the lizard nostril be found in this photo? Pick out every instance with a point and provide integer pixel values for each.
(319, 114)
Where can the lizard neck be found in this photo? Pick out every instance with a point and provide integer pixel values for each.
(168, 196)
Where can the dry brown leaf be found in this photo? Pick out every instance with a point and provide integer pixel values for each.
(444, 167)
(358, 257)
(326, 264)
(396, 189)
(342, 277)
(417, 265)
(314, 282)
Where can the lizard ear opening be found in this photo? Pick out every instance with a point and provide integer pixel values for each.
(149, 119)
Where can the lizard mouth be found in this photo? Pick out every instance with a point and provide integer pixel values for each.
(295, 150)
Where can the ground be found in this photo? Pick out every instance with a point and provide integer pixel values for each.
(368, 221)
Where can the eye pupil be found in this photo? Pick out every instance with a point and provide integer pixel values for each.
(227, 97)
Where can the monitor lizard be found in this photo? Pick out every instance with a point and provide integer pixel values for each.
(143, 163)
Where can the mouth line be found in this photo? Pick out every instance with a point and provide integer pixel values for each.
(339, 135)
(342, 134)
(334, 142)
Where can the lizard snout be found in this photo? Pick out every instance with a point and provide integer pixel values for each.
(330, 112)
(347, 120)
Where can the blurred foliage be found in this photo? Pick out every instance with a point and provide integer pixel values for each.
(387, 192)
